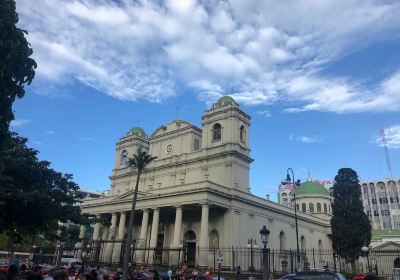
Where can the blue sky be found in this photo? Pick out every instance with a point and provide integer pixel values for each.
(319, 78)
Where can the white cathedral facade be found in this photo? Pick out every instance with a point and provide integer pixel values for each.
(196, 194)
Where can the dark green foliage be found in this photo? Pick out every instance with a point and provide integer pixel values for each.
(35, 198)
(16, 67)
(351, 228)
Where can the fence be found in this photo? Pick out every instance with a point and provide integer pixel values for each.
(111, 253)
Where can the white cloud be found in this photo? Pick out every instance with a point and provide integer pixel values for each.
(392, 136)
(264, 113)
(50, 132)
(260, 52)
(19, 122)
(307, 139)
(85, 139)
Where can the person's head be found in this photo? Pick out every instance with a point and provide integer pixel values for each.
(34, 276)
(61, 274)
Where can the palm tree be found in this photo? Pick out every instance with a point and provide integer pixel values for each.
(138, 162)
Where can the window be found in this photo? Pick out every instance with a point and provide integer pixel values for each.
(217, 132)
(303, 207)
(298, 207)
(285, 199)
(124, 158)
(383, 200)
(311, 206)
(369, 213)
(196, 144)
(318, 207)
(391, 200)
(376, 214)
(325, 208)
(213, 240)
(373, 201)
(365, 190)
(385, 212)
(242, 134)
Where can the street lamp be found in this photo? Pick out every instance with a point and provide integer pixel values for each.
(290, 180)
(365, 251)
(264, 232)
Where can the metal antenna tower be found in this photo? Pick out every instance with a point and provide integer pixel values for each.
(386, 152)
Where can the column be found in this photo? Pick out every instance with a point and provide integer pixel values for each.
(96, 230)
(203, 254)
(177, 234)
(80, 244)
(111, 237)
(143, 234)
(154, 234)
(120, 239)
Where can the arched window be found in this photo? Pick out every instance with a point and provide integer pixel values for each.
(311, 207)
(213, 239)
(325, 208)
(242, 134)
(217, 132)
(302, 243)
(298, 207)
(124, 157)
(282, 241)
(329, 208)
(303, 207)
(319, 207)
(320, 245)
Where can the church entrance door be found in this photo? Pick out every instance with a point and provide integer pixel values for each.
(159, 249)
(191, 254)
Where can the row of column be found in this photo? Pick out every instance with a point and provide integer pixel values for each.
(113, 250)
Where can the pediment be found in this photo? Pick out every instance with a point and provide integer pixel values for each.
(171, 127)
(388, 246)
(129, 194)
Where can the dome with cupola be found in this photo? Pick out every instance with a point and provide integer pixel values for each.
(137, 131)
(226, 99)
(310, 188)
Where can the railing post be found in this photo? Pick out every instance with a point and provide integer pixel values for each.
(313, 256)
(233, 259)
(334, 261)
(291, 261)
(273, 261)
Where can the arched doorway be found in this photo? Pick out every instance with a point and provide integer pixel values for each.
(396, 263)
(189, 241)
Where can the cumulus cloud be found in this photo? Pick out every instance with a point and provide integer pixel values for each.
(307, 139)
(19, 122)
(260, 52)
(392, 136)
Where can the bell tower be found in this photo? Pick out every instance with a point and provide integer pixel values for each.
(226, 134)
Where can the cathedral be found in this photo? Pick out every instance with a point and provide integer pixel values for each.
(196, 194)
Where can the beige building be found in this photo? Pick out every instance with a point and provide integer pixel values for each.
(196, 194)
(381, 203)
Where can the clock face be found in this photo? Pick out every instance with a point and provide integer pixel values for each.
(168, 148)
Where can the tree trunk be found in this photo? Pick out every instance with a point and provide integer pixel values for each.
(127, 254)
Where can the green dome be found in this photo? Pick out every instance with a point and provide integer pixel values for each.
(226, 99)
(311, 188)
(137, 130)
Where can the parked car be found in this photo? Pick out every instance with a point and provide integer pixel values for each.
(42, 269)
(314, 275)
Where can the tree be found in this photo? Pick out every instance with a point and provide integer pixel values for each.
(351, 228)
(16, 68)
(139, 161)
(34, 198)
